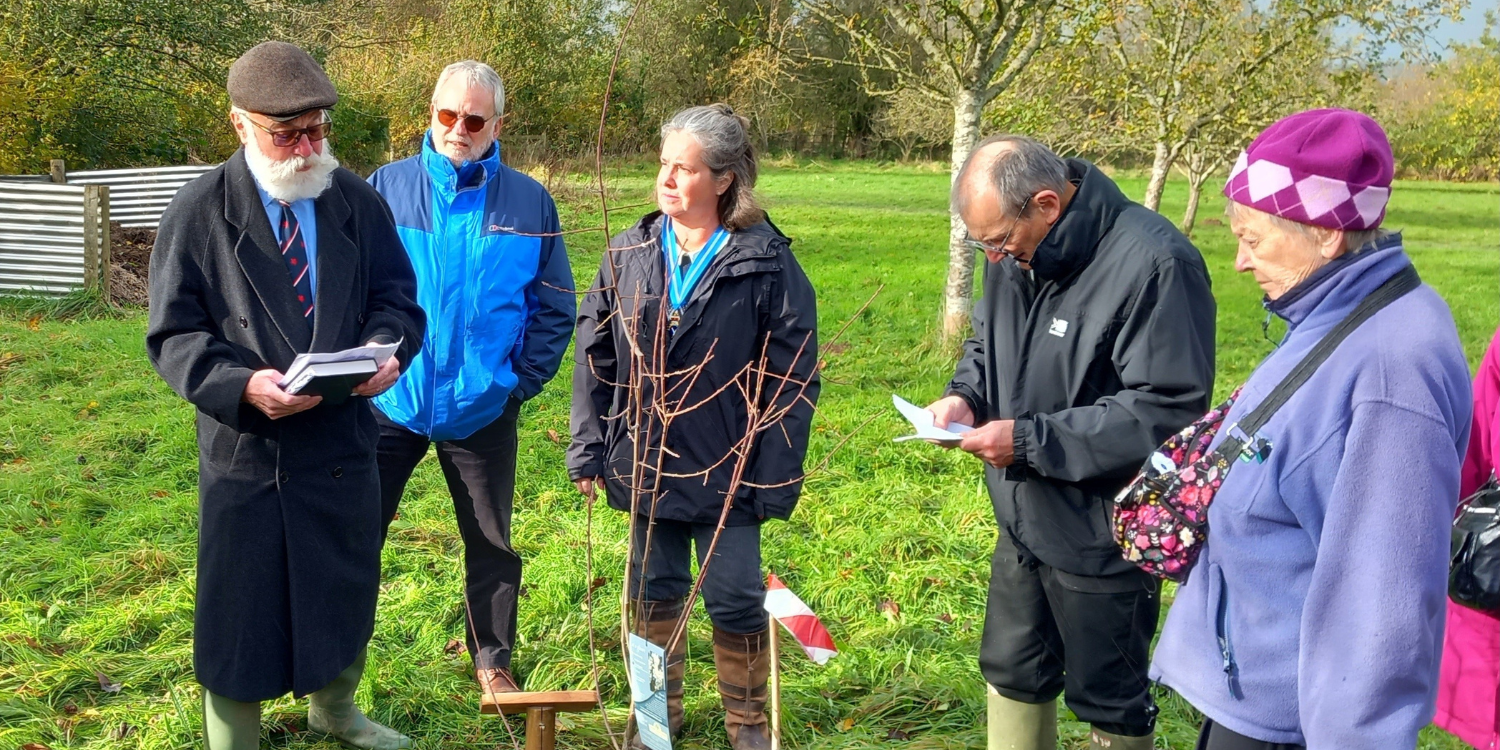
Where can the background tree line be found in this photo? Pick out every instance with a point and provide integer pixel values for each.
(1161, 85)
(111, 83)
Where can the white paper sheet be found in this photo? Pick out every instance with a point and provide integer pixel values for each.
(921, 421)
(378, 352)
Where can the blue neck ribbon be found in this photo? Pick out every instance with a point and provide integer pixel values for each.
(680, 284)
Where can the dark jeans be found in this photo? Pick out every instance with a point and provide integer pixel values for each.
(1047, 632)
(733, 592)
(481, 474)
(1216, 737)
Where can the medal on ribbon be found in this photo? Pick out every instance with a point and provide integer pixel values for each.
(680, 282)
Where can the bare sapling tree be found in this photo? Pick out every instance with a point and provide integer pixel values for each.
(658, 394)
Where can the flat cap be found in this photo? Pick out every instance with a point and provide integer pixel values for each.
(279, 80)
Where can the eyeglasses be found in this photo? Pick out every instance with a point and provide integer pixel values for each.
(472, 123)
(285, 138)
(985, 247)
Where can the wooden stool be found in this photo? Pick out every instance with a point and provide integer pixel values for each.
(541, 711)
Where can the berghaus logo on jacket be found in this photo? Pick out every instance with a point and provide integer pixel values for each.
(1059, 327)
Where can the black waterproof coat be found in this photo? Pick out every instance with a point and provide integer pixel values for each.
(753, 298)
(289, 510)
(1099, 354)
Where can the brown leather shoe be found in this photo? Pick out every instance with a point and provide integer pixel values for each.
(493, 682)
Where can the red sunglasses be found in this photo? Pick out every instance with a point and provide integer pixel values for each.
(472, 123)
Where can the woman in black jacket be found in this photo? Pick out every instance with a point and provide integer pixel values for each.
(693, 392)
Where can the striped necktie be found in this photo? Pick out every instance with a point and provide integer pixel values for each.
(294, 252)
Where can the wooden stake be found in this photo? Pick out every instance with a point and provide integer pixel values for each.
(92, 238)
(106, 252)
(541, 728)
(775, 685)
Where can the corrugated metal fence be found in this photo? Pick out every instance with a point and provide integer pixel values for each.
(54, 238)
(138, 196)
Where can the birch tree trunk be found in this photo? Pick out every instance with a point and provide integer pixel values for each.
(1195, 191)
(1161, 166)
(958, 293)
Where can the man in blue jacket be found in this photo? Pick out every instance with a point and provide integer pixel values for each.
(493, 278)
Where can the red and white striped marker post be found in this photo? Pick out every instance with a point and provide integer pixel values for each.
(787, 610)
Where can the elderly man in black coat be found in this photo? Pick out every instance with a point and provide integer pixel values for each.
(277, 252)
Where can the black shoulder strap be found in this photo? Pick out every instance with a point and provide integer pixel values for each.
(1386, 293)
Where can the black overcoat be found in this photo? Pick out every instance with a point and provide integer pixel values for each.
(289, 509)
(752, 299)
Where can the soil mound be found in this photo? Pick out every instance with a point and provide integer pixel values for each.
(130, 263)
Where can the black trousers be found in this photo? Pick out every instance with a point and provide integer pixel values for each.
(481, 475)
(1047, 632)
(733, 592)
(1216, 737)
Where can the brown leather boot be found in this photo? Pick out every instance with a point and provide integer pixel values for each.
(744, 666)
(660, 619)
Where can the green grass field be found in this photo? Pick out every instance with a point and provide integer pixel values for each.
(98, 496)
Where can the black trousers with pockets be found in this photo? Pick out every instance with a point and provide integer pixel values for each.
(733, 592)
(1216, 737)
(1047, 632)
(481, 475)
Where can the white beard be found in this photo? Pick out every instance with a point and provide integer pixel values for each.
(282, 179)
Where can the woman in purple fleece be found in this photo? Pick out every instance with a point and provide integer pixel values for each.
(1314, 616)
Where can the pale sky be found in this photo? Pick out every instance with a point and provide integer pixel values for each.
(1470, 28)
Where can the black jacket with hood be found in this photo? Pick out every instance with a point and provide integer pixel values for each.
(752, 298)
(1099, 353)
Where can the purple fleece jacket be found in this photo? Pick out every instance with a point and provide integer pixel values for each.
(1315, 613)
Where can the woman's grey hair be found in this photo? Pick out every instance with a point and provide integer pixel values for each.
(1354, 240)
(725, 139)
(1016, 173)
(474, 73)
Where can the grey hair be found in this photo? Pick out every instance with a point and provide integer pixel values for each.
(474, 73)
(1016, 173)
(725, 139)
(1355, 240)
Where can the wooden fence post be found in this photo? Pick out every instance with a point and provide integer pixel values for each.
(106, 242)
(96, 250)
(59, 171)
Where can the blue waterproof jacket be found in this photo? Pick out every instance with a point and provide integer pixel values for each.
(498, 297)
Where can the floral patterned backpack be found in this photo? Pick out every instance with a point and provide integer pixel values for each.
(1161, 517)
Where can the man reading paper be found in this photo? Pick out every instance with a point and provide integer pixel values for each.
(1093, 343)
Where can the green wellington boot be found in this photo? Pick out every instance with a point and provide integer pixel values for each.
(230, 725)
(332, 711)
(1013, 725)
(1102, 740)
